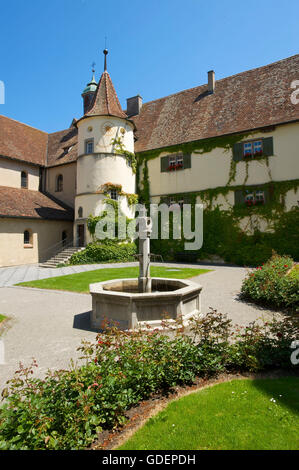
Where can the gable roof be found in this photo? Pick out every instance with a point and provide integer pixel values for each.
(249, 100)
(22, 142)
(246, 101)
(17, 202)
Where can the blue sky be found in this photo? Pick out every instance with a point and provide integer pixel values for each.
(156, 47)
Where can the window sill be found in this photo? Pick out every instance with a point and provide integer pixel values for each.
(28, 245)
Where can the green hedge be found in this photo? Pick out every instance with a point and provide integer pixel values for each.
(103, 252)
(270, 284)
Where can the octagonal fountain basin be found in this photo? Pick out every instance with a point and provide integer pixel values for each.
(120, 301)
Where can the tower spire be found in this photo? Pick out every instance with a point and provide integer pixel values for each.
(105, 52)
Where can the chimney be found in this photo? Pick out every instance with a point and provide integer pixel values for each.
(211, 81)
(134, 105)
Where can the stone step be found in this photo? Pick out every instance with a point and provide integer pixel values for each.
(61, 258)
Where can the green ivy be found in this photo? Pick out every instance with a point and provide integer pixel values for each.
(199, 147)
(119, 148)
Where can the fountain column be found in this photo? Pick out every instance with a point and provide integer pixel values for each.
(144, 230)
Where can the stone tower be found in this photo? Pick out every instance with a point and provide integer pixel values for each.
(102, 171)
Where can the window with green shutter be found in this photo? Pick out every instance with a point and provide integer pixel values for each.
(252, 149)
(164, 163)
(175, 162)
(253, 196)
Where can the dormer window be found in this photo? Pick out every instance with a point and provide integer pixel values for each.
(89, 146)
(24, 179)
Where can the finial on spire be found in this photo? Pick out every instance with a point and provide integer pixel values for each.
(105, 52)
(93, 66)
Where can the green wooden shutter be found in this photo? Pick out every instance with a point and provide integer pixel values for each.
(239, 197)
(266, 195)
(238, 151)
(268, 146)
(164, 163)
(187, 160)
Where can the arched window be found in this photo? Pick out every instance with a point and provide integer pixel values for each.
(80, 212)
(24, 179)
(27, 237)
(59, 183)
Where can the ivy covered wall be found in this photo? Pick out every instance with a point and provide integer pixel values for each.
(238, 233)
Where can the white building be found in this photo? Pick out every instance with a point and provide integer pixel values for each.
(238, 136)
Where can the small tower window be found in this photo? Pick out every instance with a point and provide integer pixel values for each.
(89, 146)
(80, 212)
(24, 179)
(59, 184)
(114, 194)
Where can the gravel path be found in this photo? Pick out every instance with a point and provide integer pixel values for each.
(49, 325)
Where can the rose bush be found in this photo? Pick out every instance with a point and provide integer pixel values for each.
(68, 408)
(271, 285)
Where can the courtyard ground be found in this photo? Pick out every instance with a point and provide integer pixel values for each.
(48, 325)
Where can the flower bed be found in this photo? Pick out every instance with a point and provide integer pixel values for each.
(68, 409)
(270, 284)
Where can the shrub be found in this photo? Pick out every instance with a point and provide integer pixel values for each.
(99, 252)
(269, 284)
(67, 409)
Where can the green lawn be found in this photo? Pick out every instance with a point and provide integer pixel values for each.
(80, 282)
(236, 415)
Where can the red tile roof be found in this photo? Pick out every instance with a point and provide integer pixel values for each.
(16, 202)
(22, 142)
(105, 101)
(249, 100)
(246, 101)
(63, 147)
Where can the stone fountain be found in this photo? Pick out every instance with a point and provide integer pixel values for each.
(135, 303)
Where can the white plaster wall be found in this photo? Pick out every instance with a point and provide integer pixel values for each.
(45, 233)
(292, 199)
(212, 169)
(10, 174)
(69, 182)
(102, 135)
(95, 170)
